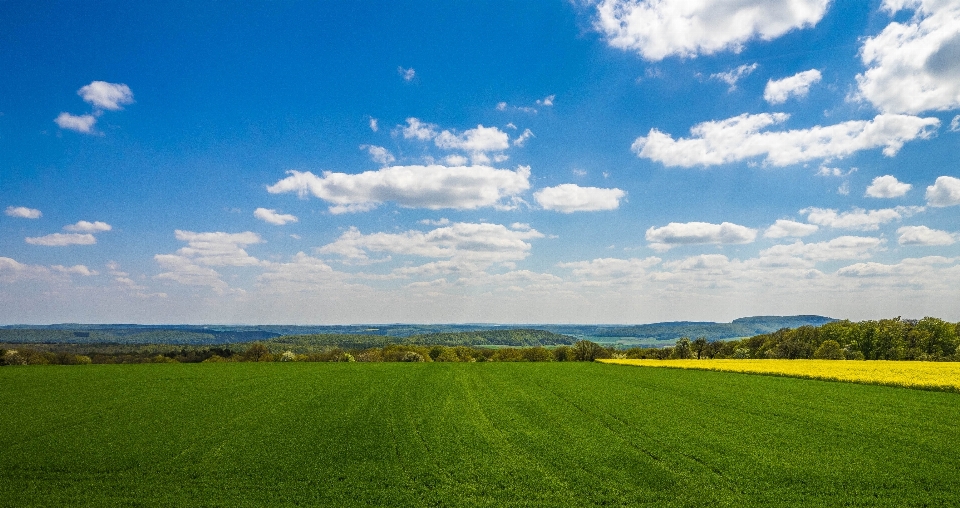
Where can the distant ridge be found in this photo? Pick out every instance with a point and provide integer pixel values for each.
(75, 333)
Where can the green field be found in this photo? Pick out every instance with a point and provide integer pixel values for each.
(492, 434)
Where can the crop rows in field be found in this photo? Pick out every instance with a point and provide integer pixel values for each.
(478, 434)
(923, 375)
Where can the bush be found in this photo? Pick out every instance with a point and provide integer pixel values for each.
(411, 356)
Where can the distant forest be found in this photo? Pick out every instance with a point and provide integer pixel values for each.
(131, 334)
(927, 339)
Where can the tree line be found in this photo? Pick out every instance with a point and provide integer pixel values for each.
(927, 339)
(583, 350)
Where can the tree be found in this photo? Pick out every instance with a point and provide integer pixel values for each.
(587, 351)
(257, 353)
(700, 345)
(682, 349)
(829, 350)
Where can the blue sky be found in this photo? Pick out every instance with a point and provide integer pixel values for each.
(593, 162)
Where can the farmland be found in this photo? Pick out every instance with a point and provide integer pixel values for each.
(487, 434)
(923, 375)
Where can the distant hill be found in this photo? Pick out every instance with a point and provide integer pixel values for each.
(378, 335)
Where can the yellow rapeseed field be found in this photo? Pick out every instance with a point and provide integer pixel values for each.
(926, 375)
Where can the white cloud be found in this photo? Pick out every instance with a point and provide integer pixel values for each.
(443, 221)
(906, 267)
(464, 247)
(407, 74)
(82, 123)
(379, 154)
(218, 249)
(62, 239)
(944, 192)
(523, 137)
(184, 271)
(690, 233)
(825, 171)
(611, 269)
(844, 247)
(732, 76)
(12, 270)
(922, 235)
(373, 125)
(787, 228)
(481, 139)
(501, 106)
(546, 101)
(303, 274)
(913, 66)
(74, 270)
(432, 187)
(887, 186)
(456, 160)
(955, 124)
(739, 138)
(569, 197)
(103, 95)
(798, 85)
(657, 29)
(88, 227)
(858, 219)
(23, 212)
(415, 129)
(273, 217)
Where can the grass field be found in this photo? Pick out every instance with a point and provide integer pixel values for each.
(495, 434)
(923, 375)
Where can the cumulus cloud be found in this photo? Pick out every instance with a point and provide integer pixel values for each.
(955, 124)
(415, 129)
(858, 219)
(611, 269)
(944, 192)
(546, 101)
(302, 274)
(844, 247)
(908, 267)
(657, 29)
(271, 216)
(88, 227)
(407, 74)
(887, 186)
(523, 137)
(379, 154)
(466, 246)
(373, 125)
(690, 233)
(103, 95)
(217, 248)
(787, 228)
(732, 76)
(481, 139)
(74, 270)
(62, 239)
(23, 212)
(432, 187)
(740, 138)
(798, 85)
(82, 123)
(922, 235)
(914, 66)
(183, 270)
(570, 197)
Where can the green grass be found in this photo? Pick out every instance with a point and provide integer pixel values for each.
(497, 434)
